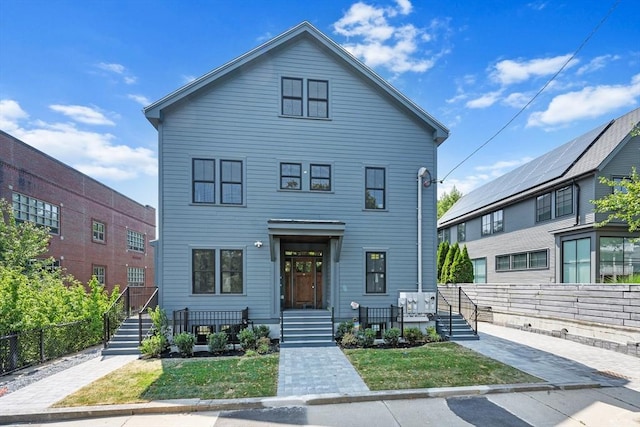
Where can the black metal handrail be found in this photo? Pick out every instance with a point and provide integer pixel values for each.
(151, 303)
(333, 329)
(383, 317)
(114, 316)
(442, 301)
(468, 309)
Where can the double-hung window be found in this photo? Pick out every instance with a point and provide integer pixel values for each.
(99, 230)
(100, 272)
(205, 263)
(564, 201)
(204, 185)
(376, 267)
(492, 223)
(231, 182)
(320, 178)
(300, 100)
(290, 176)
(375, 188)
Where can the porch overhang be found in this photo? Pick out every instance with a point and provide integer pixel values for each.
(329, 229)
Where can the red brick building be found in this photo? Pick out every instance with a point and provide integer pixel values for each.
(94, 230)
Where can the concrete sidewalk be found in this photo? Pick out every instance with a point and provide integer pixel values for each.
(563, 364)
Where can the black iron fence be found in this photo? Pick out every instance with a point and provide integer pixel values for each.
(381, 318)
(26, 348)
(204, 322)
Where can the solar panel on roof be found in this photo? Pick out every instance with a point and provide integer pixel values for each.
(542, 169)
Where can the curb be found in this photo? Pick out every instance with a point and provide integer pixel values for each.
(200, 405)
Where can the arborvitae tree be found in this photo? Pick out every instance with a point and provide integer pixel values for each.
(443, 248)
(462, 269)
(448, 262)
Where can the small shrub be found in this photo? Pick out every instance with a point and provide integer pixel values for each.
(250, 353)
(433, 335)
(262, 331)
(392, 336)
(152, 346)
(345, 327)
(247, 339)
(413, 335)
(185, 342)
(366, 337)
(217, 342)
(349, 340)
(263, 345)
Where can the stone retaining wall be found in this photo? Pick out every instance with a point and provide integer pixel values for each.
(605, 316)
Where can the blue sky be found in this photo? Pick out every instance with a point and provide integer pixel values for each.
(74, 75)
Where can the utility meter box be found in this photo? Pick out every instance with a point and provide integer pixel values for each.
(417, 304)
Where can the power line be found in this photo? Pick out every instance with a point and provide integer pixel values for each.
(575, 53)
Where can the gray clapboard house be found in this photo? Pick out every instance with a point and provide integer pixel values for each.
(288, 181)
(536, 224)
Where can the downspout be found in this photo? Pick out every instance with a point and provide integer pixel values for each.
(575, 184)
(421, 173)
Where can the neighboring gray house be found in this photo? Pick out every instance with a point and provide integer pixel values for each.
(288, 180)
(536, 224)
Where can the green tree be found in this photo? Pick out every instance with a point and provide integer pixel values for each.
(462, 269)
(623, 204)
(443, 248)
(448, 262)
(447, 200)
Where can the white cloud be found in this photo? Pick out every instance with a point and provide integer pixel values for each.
(140, 99)
(596, 64)
(10, 114)
(486, 100)
(119, 70)
(188, 79)
(82, 114)
(511, 71)
(94, 153)
(517, 99)
(590, 102)
(537, 5)
(383, 44)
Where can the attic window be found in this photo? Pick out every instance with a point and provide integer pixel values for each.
(305, 98)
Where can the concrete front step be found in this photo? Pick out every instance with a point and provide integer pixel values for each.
(120, 351)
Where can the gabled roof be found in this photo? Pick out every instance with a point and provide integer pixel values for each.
(153, 112)
(580, 156)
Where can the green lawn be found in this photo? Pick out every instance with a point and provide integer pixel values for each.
(153, 379)
(433, 365)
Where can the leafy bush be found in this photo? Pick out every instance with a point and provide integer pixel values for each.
(262, 331)
(366, 337)
(433, 335)
(160, 325)
(348, 340)
(263, 345)
(247, 339)
(152, 346)
(250, 353)
(413, 335)
(392, 336)
(217, 342)
(185, 342)
(345, 327)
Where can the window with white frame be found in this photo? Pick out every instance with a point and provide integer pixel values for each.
(99, 231)
(135, 276)
(100, 273)
(39, 212)
(135, 241)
